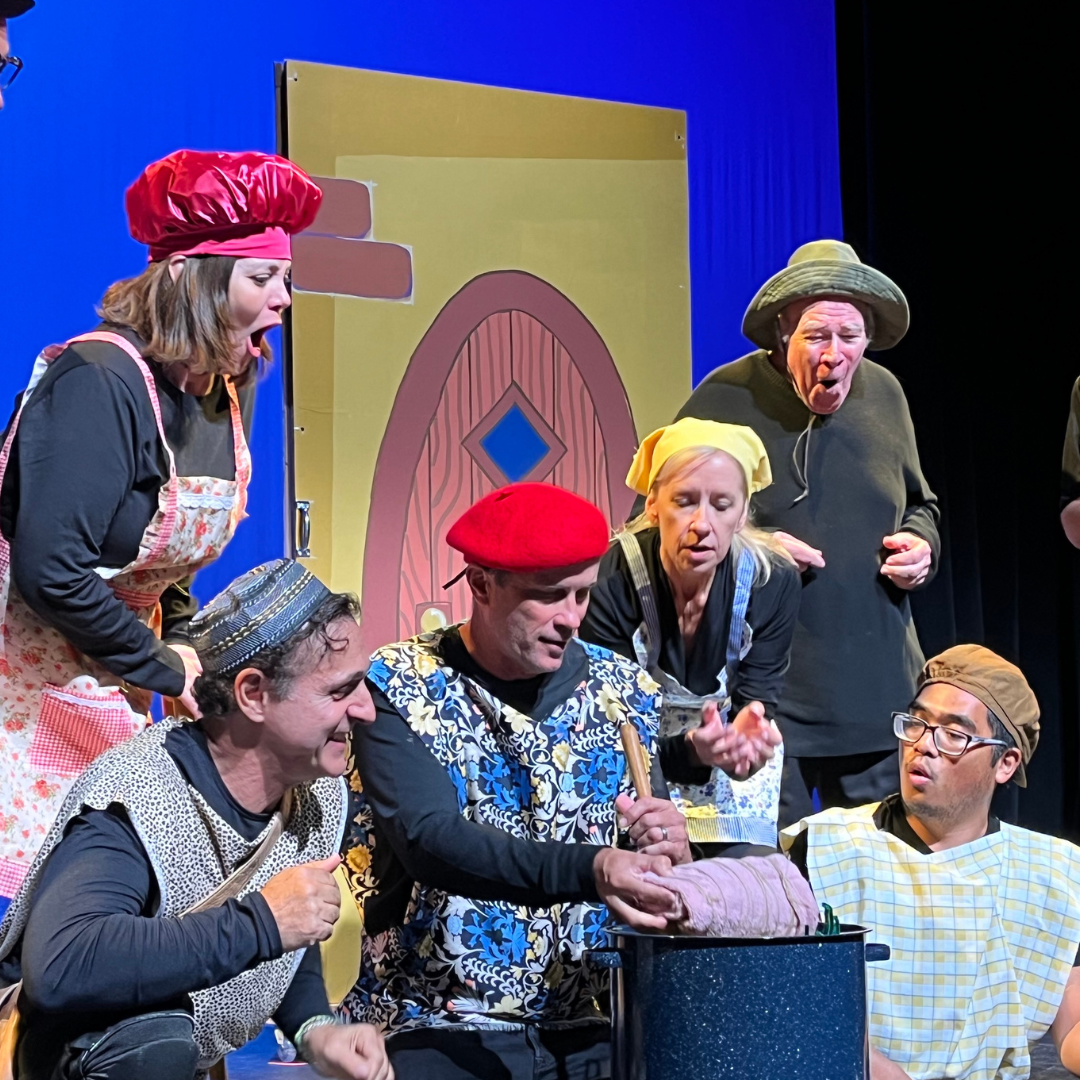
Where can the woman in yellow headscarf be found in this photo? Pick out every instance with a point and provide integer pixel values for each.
(707, 604)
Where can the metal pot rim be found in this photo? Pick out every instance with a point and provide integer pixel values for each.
(848, 932)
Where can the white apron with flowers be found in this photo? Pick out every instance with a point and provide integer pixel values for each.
(59, 709)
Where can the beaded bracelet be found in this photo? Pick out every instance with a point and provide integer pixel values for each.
(308, 1025)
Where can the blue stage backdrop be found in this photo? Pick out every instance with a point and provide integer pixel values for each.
(111, 86)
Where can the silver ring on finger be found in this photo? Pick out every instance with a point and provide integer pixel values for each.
(663, 832)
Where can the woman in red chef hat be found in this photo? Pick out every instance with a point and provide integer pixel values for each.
(125, 470)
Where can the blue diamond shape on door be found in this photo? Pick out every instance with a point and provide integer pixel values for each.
(513, 445)
(513, 442)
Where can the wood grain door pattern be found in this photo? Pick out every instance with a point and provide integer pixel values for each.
(510, 383)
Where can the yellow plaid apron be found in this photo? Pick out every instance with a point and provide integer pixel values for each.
(983, 939)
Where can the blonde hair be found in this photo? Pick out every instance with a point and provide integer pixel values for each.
(763, 547)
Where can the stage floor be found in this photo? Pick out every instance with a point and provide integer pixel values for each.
(258, 1061)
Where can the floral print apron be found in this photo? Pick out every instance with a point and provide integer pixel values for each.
(59, 709)
(492, 963)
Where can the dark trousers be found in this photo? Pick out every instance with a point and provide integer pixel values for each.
(852, 780)
(533, 1054)
(156, 1045)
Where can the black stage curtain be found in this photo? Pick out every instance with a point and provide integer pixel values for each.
(953, 185)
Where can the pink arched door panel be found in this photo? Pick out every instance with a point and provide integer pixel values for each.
(511, 382)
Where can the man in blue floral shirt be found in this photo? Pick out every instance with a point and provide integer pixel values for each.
(494, 786)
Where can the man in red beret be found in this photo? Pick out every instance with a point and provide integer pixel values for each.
(494, 788)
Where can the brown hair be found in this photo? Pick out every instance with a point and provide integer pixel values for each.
(186, 321)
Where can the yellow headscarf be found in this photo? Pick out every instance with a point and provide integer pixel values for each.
(740, 442)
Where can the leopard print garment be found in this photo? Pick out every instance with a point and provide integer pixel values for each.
(192, 851)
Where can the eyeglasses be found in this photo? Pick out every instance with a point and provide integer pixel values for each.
(10, 66)
(949, 741)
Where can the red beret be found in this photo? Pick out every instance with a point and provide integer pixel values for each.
(526, 527)
(195, 202)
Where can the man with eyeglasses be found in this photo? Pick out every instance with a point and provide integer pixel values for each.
(10, 66)
(982, 917)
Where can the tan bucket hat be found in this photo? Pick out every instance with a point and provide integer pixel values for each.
(828, 268)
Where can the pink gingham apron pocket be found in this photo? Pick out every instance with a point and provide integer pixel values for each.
(74, 727)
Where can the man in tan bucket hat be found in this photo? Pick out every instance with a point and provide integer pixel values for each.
(982, 918)
(849, 503)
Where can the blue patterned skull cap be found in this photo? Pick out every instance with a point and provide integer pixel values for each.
(259, 610)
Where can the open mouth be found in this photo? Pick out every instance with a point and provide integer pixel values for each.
(828, 383)
(255, 339)
(918, 773)
(254, 342)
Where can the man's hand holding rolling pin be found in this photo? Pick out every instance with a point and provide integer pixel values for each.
(655, 826)
(658, 831)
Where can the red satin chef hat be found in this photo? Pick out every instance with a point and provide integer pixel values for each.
(528, 527)
(197, 202)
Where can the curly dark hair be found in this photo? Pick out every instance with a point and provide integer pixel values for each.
(214, 692)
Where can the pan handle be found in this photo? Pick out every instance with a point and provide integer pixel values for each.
(603, 958)
(875, 952)
(303, 547)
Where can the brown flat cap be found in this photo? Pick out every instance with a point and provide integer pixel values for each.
(999, 685)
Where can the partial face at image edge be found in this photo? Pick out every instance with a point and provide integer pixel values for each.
(5, 49)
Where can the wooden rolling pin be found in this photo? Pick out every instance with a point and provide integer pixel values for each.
(635, 758)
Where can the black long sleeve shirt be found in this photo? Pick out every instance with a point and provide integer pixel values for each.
(855, 655)
(81, 487)
(615, 613)
(93, 952)
(416, 812)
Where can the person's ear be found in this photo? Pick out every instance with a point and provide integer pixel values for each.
(651, 511)
(251, 688)
(176, 266)
(1007, 766)
(479, 584)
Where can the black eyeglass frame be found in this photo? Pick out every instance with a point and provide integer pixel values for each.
(898, 719)
(9, 62)
(13, 62)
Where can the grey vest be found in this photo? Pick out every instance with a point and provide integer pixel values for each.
(192, 851)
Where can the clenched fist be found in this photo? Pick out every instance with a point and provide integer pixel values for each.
(348, 1052)
(909, 564)
(305, 902)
